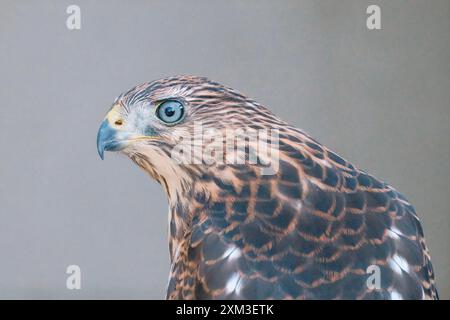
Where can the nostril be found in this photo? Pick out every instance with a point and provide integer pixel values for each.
(118, 122)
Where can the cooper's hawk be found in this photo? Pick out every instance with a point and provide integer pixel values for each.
(316, 227)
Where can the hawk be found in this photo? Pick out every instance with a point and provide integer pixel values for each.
(316, 227)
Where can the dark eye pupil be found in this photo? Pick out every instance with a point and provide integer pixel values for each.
(169, 111)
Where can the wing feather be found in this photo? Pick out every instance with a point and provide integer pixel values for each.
(309, 232)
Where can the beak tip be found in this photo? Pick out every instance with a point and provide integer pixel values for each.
(101, 151)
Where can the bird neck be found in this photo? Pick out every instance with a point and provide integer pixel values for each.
(187, 206)
(210, 191)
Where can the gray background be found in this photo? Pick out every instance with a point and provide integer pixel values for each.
(379, 98)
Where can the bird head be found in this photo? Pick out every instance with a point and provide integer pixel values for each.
(150, 121)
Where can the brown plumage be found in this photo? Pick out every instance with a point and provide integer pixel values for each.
(309, 231)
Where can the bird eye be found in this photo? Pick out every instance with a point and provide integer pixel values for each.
(170, 111)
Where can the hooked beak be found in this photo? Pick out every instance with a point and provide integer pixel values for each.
(111, 138)
(107, 139)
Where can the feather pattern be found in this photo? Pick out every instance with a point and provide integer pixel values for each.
(310, 231)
